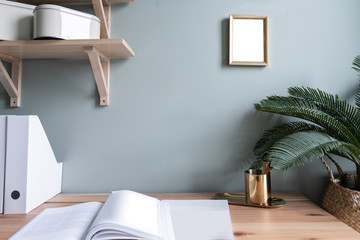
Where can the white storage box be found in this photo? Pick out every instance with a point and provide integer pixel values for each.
(16, 20)
(52, 21)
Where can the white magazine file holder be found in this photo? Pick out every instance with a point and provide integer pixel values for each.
(32, 174)
(2, 160)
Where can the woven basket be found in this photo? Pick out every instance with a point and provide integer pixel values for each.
(340, 200)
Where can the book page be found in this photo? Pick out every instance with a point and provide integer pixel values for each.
(165, 222)
(70, 223)
(128, 213)
(201, 219)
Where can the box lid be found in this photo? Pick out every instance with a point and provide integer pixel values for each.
(67, 10)
(16, 4)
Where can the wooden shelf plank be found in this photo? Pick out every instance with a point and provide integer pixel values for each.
(43, 49)
(36, 2)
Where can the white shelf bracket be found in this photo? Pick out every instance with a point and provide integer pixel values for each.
(102, 10)
(100, 64)
(12, 84)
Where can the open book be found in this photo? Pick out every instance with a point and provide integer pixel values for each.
(131, 215)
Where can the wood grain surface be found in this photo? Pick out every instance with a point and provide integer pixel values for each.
(297, 219)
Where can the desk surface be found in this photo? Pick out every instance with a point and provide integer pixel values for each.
(298, 219)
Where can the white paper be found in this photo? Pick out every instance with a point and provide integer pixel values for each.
(248, 40)
(70, 223)
(130, 212)
(130, 215)
(201, 219)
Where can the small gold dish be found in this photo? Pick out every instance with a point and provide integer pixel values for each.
(240, 199)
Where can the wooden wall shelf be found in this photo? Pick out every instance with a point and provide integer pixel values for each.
(98, 51)
(35, 49)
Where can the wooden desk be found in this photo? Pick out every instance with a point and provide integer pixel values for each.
(298, 219)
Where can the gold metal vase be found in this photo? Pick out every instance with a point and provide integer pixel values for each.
(257, 187)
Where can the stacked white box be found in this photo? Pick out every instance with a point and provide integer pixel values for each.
(52, 21)
(16, 20)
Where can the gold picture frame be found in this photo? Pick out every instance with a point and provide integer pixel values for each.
(248, 40)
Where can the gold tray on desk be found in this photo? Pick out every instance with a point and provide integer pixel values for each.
(240, 199)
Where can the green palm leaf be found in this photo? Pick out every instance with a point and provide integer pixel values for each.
(356, 63)
(271, 136)
(331, 104)
(356, 66)
(340, 153)
(307, 110)
(334, 128)
(299, 148)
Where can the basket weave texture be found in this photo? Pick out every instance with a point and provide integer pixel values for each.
(341, 201)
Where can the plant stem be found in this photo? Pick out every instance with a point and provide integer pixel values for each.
(357, 177)
(327, 168)
(340, 171)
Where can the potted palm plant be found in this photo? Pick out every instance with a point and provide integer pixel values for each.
(332, 127)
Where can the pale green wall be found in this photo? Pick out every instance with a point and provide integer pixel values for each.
(180, 119)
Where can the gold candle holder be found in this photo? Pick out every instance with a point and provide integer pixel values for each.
(257, 187)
